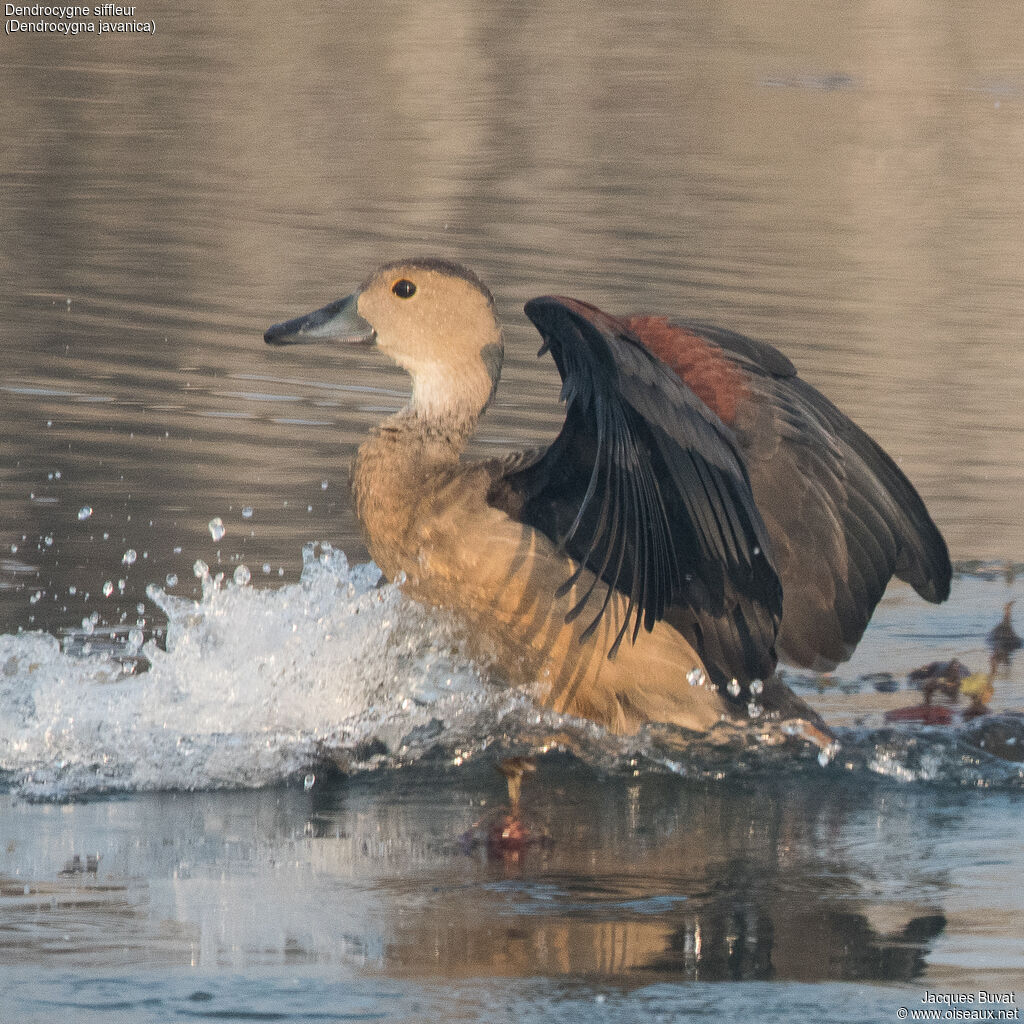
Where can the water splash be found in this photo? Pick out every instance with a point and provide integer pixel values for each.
(253, 687)
(256, 686)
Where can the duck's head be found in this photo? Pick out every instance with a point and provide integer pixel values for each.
(434, 318)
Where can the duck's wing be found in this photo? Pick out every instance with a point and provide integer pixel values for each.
(841, 515)
(646, 488)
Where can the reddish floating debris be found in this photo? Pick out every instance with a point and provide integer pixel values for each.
(505, 837)
(950, 679)
(926, 714)
(508, 835)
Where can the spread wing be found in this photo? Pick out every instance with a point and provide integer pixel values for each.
(841, 515)
(646, 488)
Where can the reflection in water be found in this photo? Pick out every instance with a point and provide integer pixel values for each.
(672, 882)
(645, 879)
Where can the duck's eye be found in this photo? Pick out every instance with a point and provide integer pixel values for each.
(404, 288)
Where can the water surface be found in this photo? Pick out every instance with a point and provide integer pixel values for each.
(836, 180)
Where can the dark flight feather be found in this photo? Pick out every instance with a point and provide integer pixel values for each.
(841, 515)
(645, 486)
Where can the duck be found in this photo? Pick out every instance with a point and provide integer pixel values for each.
(702, 513)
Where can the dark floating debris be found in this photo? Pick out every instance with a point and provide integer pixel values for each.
(939, 678)
(1003, 639)
(883, 682)
(949, 680)
(952, 680)
(77, 866)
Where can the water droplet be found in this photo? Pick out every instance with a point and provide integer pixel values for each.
(135, 639)
(734, 688)
(241, 575)
(108, 588)
(309, 508)
(14, 549)
(72, 590)
(84, 512)
(754, 709)
(48, 541)
(88, 626)
(128, 558)
(826, 755)
(201, 569)
(247, 512)
(309, 782)
(323, 485)
(140, 608)
(35, 597)
(172, 580)
(177, 550)
(266, 568)
(695, 677)
(56, 475)
(757, 687)
(216, 527)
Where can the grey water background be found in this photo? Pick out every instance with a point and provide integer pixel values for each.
(839, 179)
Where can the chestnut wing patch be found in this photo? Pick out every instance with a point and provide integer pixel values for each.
(841, 515)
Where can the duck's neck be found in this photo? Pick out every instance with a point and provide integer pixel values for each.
(396, 468)
(446, 397)
(412, 436)
(402, 467)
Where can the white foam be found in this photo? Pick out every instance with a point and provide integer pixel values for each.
(253, 686)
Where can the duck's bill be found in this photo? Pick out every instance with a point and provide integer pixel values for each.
(338, 321)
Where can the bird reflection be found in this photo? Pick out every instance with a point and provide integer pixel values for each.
(661, 879)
